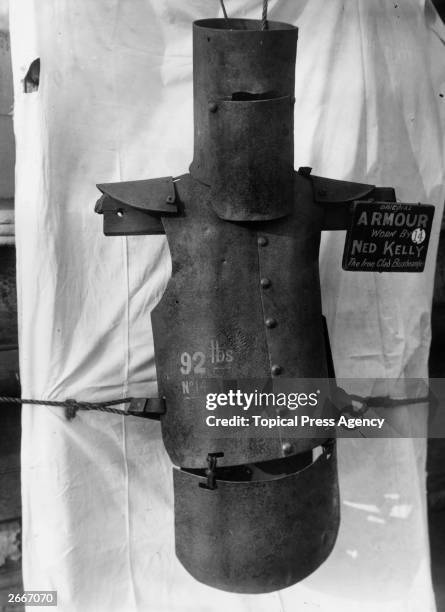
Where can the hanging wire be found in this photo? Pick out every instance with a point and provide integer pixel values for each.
(224, 10)
(264, 17)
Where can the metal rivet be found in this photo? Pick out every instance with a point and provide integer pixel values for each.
(120, 213)
(213, 107)
(265, 283)
(262, 241)
(170, 199)
(270, 322)
(287, 448)
(292, 100)
(276, 370)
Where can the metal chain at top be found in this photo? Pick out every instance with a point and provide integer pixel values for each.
(264, 17)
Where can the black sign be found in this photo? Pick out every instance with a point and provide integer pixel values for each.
(388, 237)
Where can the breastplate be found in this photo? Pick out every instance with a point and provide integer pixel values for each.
(242, 309)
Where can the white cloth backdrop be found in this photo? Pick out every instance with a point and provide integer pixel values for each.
(115, 103)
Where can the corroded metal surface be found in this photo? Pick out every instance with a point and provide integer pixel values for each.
(152, 195)
(252, 169)
(218, 321)
(236, 56)
(260, 536)
(124, 206)
(330, 191)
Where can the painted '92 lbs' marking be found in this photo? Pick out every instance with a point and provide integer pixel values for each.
(195, 362)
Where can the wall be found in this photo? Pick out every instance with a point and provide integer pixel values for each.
(6, 100)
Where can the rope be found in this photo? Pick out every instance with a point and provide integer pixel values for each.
(348, 408)
(72, 405)
(383, 402)
(264, 17)
(376, 402)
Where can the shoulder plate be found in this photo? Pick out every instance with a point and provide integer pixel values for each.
(328, 191)
(337, 197)
(153, 195)
(135, 207)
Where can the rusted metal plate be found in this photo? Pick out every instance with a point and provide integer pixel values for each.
(134, 207)
(122, 220)
(236, 56)
(331, 191)
(211, 326)
(337, 216)
(155, 195)
(257, 536)
(251, 171)
(388, 237)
